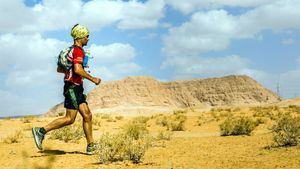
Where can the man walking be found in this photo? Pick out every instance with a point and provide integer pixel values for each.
(75, 100)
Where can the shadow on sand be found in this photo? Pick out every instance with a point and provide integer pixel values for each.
(55, 152)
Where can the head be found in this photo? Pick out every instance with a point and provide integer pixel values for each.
(80, 34)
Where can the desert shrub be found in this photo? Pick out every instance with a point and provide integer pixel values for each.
(286, 131)
(119, 117)
(164, 135)
(124, 145)
(135, 149)
(177, 112)
(237, 109)
(294, 108)
(135, 129)
(215, 114)
(176, 123)
(162, 121)
(110, 119)
(260, 120)
(111, 147)
(27, 119)
(200, 121)
(72, 133)
(96, 121)
(13, 138)
(105, 116)
(237, 126)
(141, 119)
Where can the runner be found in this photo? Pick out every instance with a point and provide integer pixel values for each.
(75, 100)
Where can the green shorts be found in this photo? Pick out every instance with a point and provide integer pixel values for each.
(73, 95)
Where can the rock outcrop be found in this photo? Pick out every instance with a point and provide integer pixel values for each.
(142, 94)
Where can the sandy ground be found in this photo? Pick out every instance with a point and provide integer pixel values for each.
(198, 147)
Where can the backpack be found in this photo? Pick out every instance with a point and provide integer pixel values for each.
(65, 58)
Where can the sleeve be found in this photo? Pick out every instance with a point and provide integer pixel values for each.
(78, 56)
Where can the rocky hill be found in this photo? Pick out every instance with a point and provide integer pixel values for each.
(145, 94)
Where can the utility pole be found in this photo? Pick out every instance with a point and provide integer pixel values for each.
(278, 86)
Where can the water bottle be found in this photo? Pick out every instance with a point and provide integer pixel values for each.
(86, 58)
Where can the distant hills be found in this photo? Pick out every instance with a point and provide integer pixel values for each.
(146, 94)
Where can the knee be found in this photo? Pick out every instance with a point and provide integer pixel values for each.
(87, 117)
(69, 120)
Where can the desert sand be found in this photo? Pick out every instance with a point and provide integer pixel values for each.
(199, 145)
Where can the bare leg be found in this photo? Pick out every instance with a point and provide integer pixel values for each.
(68, 119)
(87, 122)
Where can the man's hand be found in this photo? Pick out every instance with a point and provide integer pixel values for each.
(96, 80)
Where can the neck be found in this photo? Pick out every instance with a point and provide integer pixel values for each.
(77, 43)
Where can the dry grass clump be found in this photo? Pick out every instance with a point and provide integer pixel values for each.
(293, 109)
(13, 138)
(173, 122)
(141, 119)
(120, 147)
(104, 116)
(286, 131)
(272, 112)
(111, 119)
(130, 144)
(27, 119)
(164, 135)
(237, 126)
(136, 128)
(96, 121)
(162, 121)
(176, 122)
(119, 117)
(220, 113)
(176, 112)
(70, 133)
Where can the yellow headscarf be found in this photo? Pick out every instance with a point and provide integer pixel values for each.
(79, 31)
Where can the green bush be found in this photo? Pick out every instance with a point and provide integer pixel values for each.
(237, 126)
(72, 133)
(286, 131)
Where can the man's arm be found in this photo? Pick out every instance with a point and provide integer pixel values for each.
(80, 71)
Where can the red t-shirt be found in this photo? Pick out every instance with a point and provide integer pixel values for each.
(71, 76)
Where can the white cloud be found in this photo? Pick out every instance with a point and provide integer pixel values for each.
(113, 61)
(204, 32)
(27, 52)
(187, 67)
(194, 5)
(113, 53)
(289, 41)
(142, 15)
(50, 15)
(215, 29)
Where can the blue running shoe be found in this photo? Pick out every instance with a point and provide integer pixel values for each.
(38, 137)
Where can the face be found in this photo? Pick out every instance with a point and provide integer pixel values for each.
(85, 40)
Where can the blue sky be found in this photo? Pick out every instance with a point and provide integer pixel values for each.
(166, 39)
